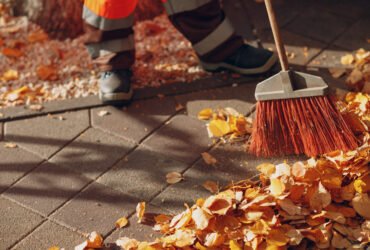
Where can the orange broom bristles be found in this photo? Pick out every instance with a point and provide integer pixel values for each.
(310, 125)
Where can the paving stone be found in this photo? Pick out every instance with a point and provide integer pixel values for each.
(46, 188)
(241, 98)
(15, 223)
(353, 9)
(285, 10)
(330, 58)
(96, 208)
(45, 135)
(234, 164)
(50, 234)
(92, 152)
(143, 231)
(294, 44)
(14, 163)
(317, 24)
(356, 36)
(142, 174)
(138, 120)
(183, 138)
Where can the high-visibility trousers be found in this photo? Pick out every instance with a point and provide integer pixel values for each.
(109, 34)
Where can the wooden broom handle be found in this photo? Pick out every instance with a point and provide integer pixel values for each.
(277, 38)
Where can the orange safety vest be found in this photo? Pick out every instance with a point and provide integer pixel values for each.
(111, 9)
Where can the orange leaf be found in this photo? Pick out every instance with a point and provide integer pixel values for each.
(140, 211)
(47, 73)
(37, 36)
(9, 52)
(121, 222)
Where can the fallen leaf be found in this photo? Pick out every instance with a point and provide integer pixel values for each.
(54, 248)
(266, 168)
(95, 240)
(218, 128)
(347, 59)
(214, 240)
(320, 198)
(361, 204)
(205, 114)
(140, 211)
(277, 237)
(102, 113)
(10, 145)
(36, 107)
(10, 52)
(179, 107)
(211, 186)
(37, 36)
(47, 73)
(127, 243)
(121, 222)
(10, 75)
(208, 158)
(277, 187)
(233, 244)
(201, 218)
(174, 177)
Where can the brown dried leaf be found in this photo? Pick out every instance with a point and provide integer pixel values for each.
(10, 52)
(174, 177)
(211, 186)
(208, 158)
(337, 72)
(37, 36)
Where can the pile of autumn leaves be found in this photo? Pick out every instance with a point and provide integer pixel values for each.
(321, 203)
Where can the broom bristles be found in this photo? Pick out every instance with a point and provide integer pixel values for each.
(310, 126)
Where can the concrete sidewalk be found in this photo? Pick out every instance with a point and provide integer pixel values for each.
(76, 172)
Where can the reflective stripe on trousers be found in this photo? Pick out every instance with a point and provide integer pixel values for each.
(111, 46)
(106, 24)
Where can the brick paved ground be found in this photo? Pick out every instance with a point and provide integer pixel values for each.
(76, 172)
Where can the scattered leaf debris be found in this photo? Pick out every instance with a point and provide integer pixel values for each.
(174, 177)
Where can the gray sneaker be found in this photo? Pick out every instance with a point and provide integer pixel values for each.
(115, 87)
(247, 60)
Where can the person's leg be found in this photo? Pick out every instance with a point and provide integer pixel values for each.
(109, 39)
(205, 25)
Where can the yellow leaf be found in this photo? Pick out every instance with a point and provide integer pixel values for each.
(221, 203)
(205, 114)
(277, 187)
(211, 186)
(181, 220)
(127, 243)
(174, 177)
(201, 218)
(214, 240)
(277, 237)
(199, 246)
(140, 211)
(362, 185)
(208, 158)
(10, 75)
(54, 248)
(218, 128)
(266, 168)
(234, 245)
(121, 222)
(347, 59)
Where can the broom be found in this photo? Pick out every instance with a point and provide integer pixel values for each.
(294, 113)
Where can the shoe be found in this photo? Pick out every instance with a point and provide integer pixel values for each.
(247, 60)
(115, 87)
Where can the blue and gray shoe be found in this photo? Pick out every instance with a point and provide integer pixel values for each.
(115, 87)
(247, 60)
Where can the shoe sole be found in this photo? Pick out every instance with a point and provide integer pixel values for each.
(120, 98)
(214, 67)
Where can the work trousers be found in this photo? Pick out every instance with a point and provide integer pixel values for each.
(109, 34)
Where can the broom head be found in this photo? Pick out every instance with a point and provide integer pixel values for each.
(294, 115)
